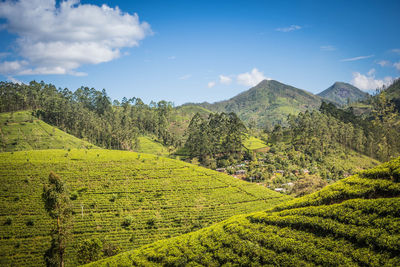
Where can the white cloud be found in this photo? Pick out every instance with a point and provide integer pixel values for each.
(251, 78)
(172, 57)
(211, 84)
(384, 63)
(397, 65)
(185, 77)
(327, 48)
(368, 82)
(58, 40)
(289, 29)
(13, 80)
(356, 58)
(10, 67)
(224, 79)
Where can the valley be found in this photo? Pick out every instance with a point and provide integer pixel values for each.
(121, 200)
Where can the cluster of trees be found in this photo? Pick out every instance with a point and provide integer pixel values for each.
(319, 133)
(89, 114)
(216, 140)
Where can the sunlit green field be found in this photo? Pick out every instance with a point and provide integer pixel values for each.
(150, 146)
(160, 197)
(254, 143)
(354, 222)
(22, 131)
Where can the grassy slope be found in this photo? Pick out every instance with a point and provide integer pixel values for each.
(150, 146)
(352, 160)
(353, 222)
(21, 131)
(111, 185)
(254, 143)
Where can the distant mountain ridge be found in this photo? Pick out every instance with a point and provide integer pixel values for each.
(343, 93)
(267, 103)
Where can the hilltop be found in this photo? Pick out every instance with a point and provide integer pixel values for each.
(268, 102)
(343, 93)
(124, 199)
(22, 131)
(350, 223)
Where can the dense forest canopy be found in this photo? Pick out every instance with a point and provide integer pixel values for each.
(217, 139)
(318, 133)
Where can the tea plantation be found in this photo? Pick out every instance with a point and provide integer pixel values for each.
(122, 198)
(22, 131)
(151, 146)
(354, 222)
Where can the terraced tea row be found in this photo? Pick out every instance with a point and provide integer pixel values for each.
(22, 131)
(354, 222)
(123, 198)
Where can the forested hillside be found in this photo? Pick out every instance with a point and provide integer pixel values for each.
(120, 200)
(89, 114)
(267, 103)
(343, 94)
(354, 222)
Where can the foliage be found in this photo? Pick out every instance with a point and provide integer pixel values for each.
(89, 114)
(57, 204)
(220, 136)
(358, 227)
(177, 196)
(89, 250)
(318, 134)
(307, 185)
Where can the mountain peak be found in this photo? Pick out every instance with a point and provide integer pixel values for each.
(267, 103)
(342, 93)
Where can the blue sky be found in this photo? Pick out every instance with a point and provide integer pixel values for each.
(194, 51)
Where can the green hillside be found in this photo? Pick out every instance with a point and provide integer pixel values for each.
(123, 198)
(268, 102)
(187, 111)
(343, 93)
(151, 146)
(354, 222)
(254, 143)
(22, 131)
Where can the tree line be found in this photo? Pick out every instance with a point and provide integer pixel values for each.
(89, 114)
(318, 133)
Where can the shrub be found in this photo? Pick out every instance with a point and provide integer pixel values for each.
(89, 250)
(128, 220)
(111, 249)
(30, 222)
(8, 221)
(74, 195)
(113, 198)
(151, 223)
